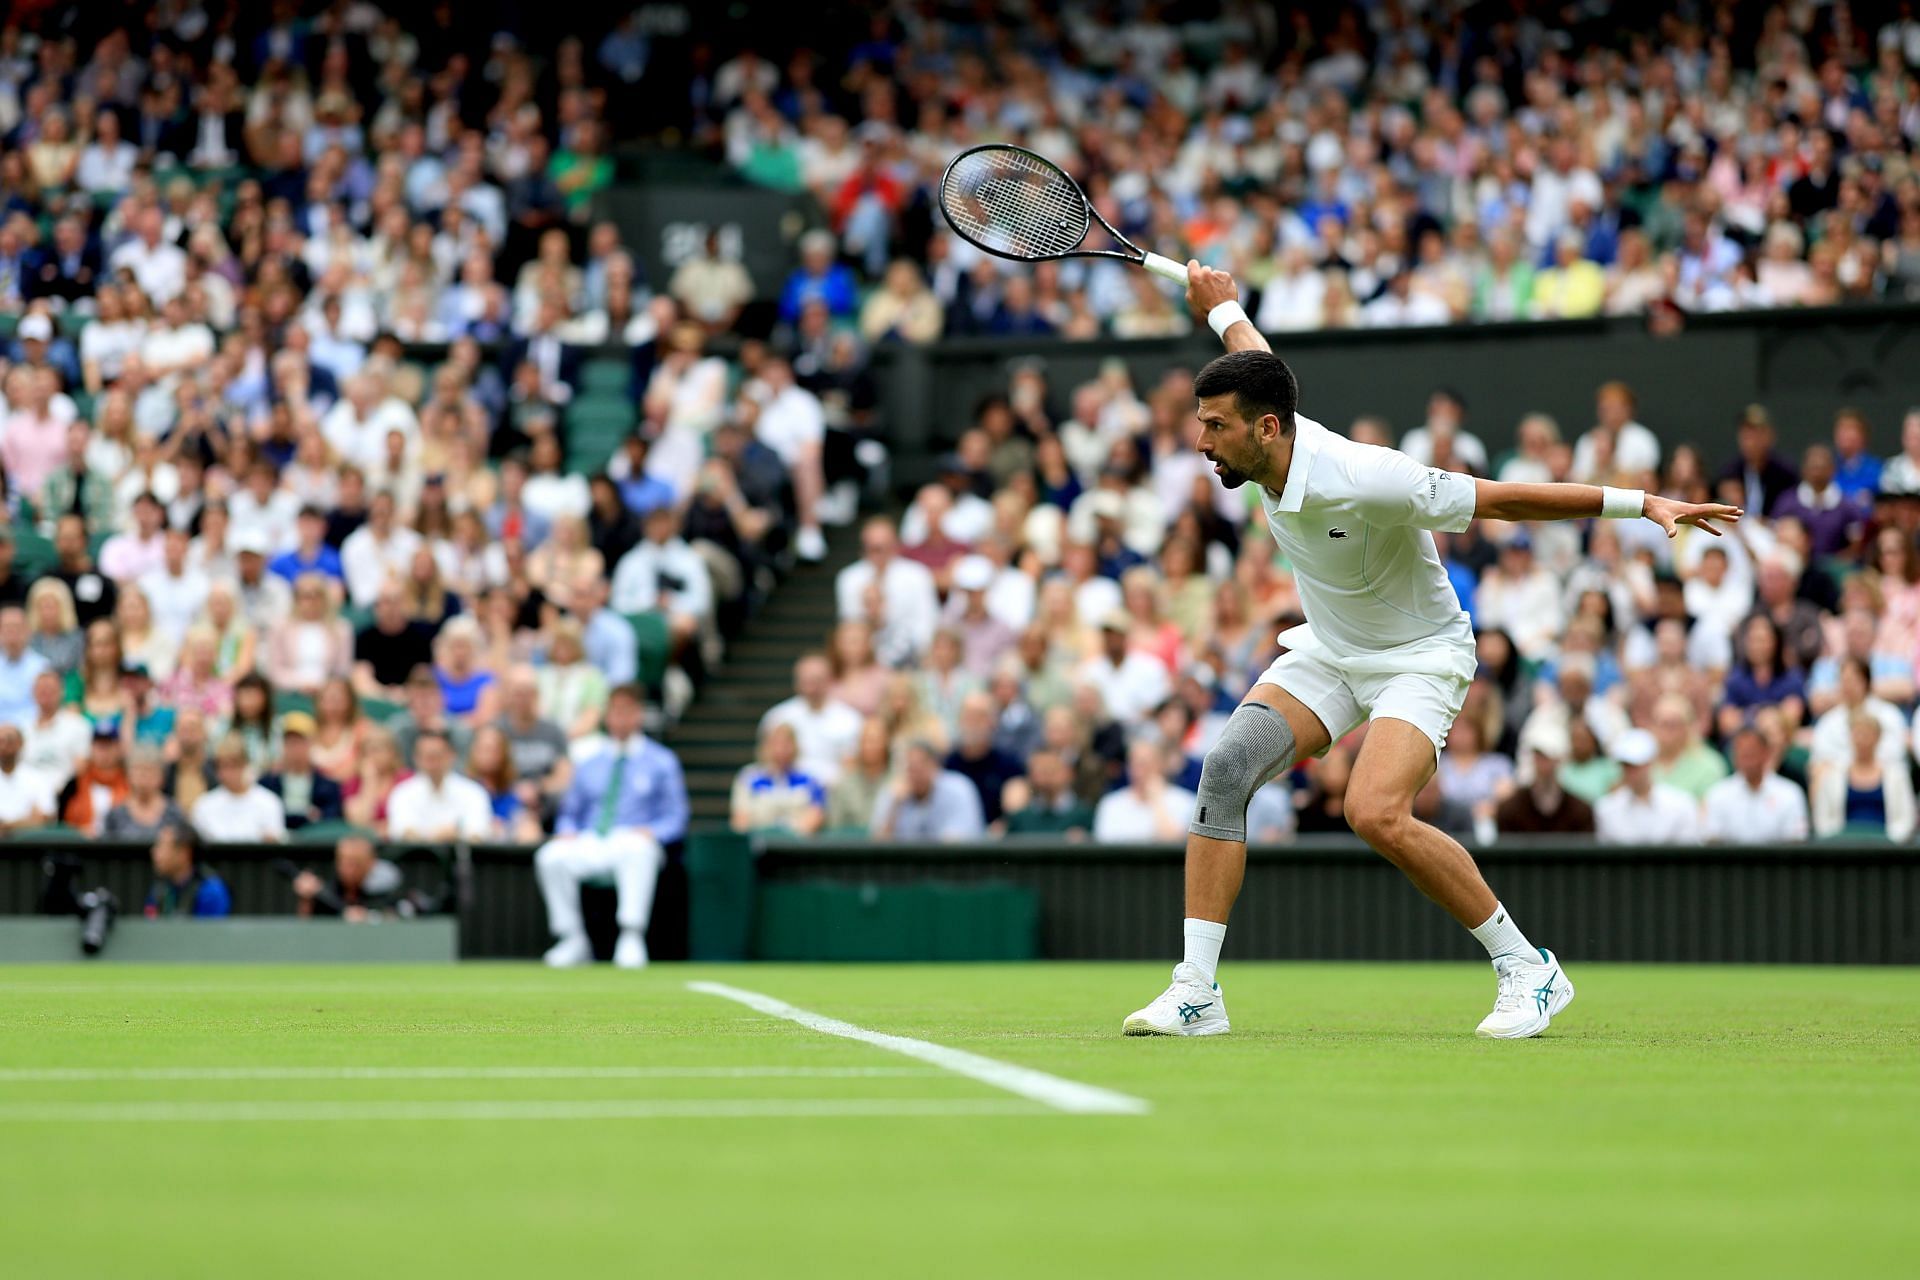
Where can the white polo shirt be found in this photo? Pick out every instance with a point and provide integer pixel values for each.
(1667, 816)
(24, 792)
(1773, 813)
(418, 810)
(1355, 520)
(253, 815)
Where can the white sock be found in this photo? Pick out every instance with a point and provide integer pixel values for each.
(1502, 937)
(1203, 945)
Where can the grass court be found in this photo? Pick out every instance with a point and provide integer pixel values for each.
(501, 1120)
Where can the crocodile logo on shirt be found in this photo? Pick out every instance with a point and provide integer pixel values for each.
(1336, 533)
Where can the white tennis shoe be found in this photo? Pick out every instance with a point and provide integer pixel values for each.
(1191, 1006)
(1531, 993)
(570, 952)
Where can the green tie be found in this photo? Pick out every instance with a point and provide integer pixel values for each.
(610, 801)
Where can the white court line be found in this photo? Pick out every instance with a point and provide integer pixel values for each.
(24, 1075)
(660, 1109)
(1062, 1095)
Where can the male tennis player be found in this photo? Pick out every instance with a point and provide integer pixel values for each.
(1386, 642)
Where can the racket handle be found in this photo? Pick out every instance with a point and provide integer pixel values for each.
(1166, 267)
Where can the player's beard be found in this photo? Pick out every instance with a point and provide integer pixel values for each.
(1230, 478)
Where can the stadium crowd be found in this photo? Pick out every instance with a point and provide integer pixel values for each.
(1054, 632)
(1367, 165)
(303, 528)
(300, 532)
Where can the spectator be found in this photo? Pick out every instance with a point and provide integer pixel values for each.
(364, 886)
(818, 277)
(663, 573)
(772, 795)
(381, 768)
(976, 758)
(1856, 468)
(863, 777)
(195, 683)
(1640, 810)
(307, 796)
(1147, 808)
(1539, 805)
(1683, 762)
(55, 627)
(1866, 793)
(239, 810)
(27, 799)
(314, 644)
(627, 803)
(376, 553)
(1762, 475)
(387, 649)
(1759, 680)
(927, 802)
(516, 802)
(1755, 805)
(147, 812)
(1833, 520)
(427, 710)
(1833, 734)
(57, 736)
(182, 884)
(985, 639)
(467, 690)
(340, 729)
(19, 666)
(827, 730)
(438, 805)
(906, 588)
(1471, 778)
(1131, 683)
(712, 286)
(1042, 801)
(97, 785)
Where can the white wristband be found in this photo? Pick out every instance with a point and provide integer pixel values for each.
(1225, 316)
(1622, 504)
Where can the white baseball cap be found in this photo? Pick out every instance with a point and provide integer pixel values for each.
(1635, 746)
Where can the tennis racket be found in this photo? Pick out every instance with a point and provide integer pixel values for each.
(1015, 204)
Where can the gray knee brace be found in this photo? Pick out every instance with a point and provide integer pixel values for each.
(1256, 745)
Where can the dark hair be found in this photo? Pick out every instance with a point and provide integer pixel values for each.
(430, 733)
(185, 834)
(631, 692)
(1259, 382)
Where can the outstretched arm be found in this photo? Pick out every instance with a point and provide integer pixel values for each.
(1207, 288)
(1495, 500)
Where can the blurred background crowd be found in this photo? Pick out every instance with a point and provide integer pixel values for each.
(335, 417)
(1379, 164)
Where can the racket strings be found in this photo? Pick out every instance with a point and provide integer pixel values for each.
(1016, 203)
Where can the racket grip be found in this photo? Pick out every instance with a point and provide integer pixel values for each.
(1166, 267)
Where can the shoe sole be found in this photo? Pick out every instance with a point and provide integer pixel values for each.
(1132, 1028)
(1560, 999)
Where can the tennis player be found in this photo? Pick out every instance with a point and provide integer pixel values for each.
(1385, 642)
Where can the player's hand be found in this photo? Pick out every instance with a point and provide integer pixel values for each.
(1670, 515)
(1208, 287)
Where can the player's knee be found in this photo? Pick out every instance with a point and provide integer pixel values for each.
(1379, 822)
(547, 855)
(1256, 743)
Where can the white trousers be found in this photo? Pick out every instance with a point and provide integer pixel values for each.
(632, 859)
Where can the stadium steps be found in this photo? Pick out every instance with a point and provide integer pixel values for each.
(716, 736)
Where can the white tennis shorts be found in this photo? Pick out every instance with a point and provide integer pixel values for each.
(1344, 699)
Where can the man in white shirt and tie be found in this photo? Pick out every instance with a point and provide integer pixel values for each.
(436, 804)
(1755, 805)
(626, 804)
